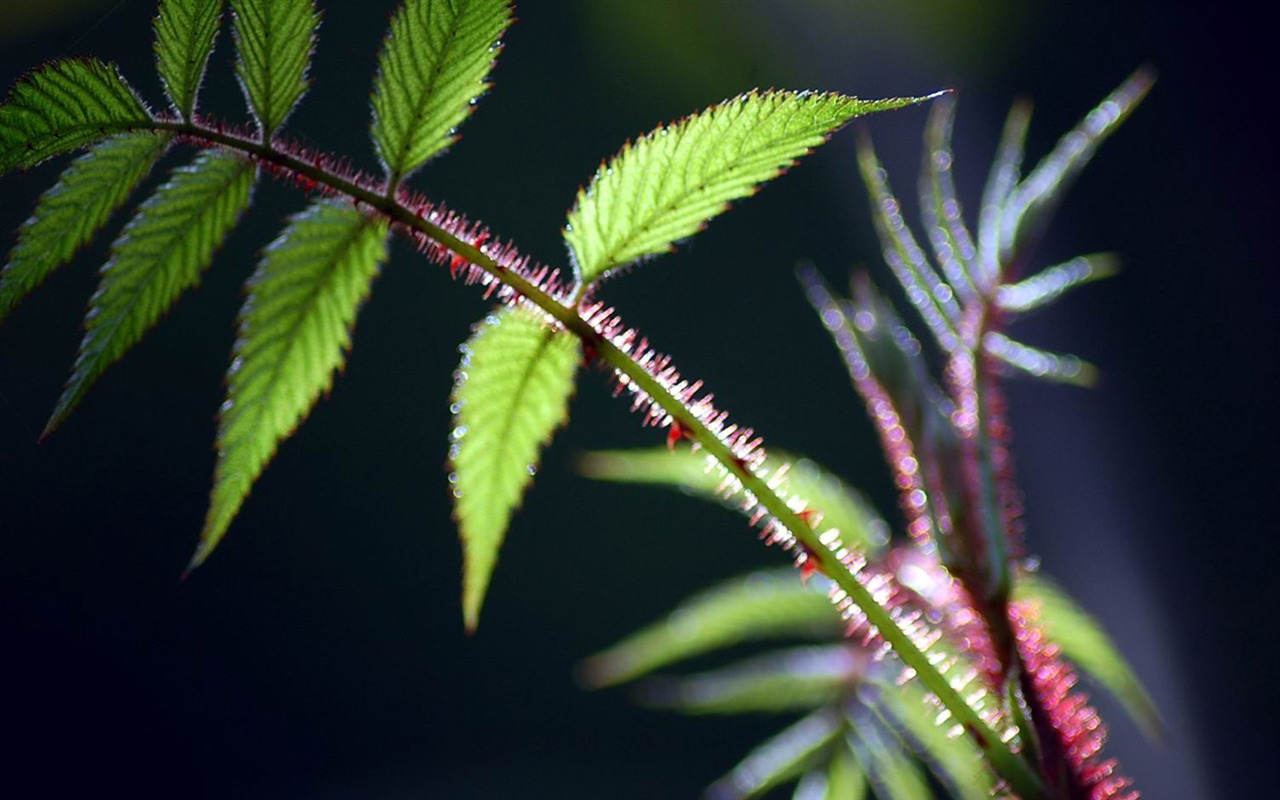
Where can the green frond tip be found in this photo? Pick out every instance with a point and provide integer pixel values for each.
(160, 254)
(670, 182)
(795, 679)
(62, 107)
(1083, 641)
(274, 40)
(1037, 363)
(782, 758)
(840, 506)
(512, 391)
(79, 204)
(295, 331)
(185, 30)
(760, 605)
(433, 65)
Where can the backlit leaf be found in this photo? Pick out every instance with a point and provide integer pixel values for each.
(295, 331)
(840, 505)
(433, 66)
(889, 768)
(68, 215)
(1051, 283)
(161, 252)
(798, 679)
(1083, 641)
(756, 606)
(845, 780)
(670, 182)
(780, 759)
(62, 107)
(274, 39)
(184, 39)
(956, 760)
(512, 392)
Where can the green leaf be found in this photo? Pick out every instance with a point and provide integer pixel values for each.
(68, 215)
(295, 330)
(667, 185)
(780, 759)
(161, 252)
(798, 679)
(952, 244)
(1083, 641)
(274, 39)
(62, 107)
(185, 30)
(433, 65)
(1051, 283)
(757, 606)
(889, 768)
(1032, 202)
(840, 505)
(845, 780)
(1038, 363)
(512, 392)
(955, 759)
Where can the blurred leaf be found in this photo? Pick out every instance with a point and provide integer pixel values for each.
(927, 292)
(845, 779)
(889, 768)
(841, 506)
(757, 606)
(68, 215)
(780, 759)
(1051, 283)
(670, 182)
(274, 39)
(1062, 368)
(798, 679)
(954, 757)
(512, 391)
(159, 255)
(295, 330)
(62, 107)
(185, 30)
(1083, 641)
(433, 65)
(1032, 203)
(952, 244)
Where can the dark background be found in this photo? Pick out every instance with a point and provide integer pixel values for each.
(320, 652)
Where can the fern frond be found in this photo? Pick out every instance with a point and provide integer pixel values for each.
(185, 30)
(670, 182)
(79, 204)
(433, 65)
(295, 329)
(832, 503)
(512, 391)
(758, 606)
(161, 253)
(783, 757)
(62, 107)
(274, 40)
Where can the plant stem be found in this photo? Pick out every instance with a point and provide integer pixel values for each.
(1004, 761)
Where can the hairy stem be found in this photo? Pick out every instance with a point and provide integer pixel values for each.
(1021, 779)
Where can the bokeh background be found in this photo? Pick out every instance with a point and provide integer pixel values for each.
(320, 653)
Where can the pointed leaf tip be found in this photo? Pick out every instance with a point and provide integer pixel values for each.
(666, 185)
(274, 40)
(64, 106)
(159, 255)
(433, 65)
(512, 392)
(295, 331)
(185, 30)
